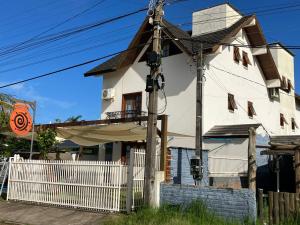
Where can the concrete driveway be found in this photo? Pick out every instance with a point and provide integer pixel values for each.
(23, 213)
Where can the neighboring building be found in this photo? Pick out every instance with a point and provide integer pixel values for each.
(242, 85)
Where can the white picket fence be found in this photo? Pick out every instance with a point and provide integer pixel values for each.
(80, 184)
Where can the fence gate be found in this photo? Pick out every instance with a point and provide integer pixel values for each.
(81, 184)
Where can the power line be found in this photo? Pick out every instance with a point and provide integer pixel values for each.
(59, 24)
(70, 67)
(71, 32)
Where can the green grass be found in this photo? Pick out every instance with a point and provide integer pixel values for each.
(194, 214)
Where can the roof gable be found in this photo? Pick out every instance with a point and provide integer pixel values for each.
(190, 45)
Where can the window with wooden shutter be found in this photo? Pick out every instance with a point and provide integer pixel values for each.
(289, 85)
(294, 124)
(251, 110)
(282, 120)
(231, 102)
(284, 85)
(236, 54)
(246, 60)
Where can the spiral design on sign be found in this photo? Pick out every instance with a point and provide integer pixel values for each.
(21, 121)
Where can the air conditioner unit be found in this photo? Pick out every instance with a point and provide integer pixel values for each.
(108, 93)
(274, 93)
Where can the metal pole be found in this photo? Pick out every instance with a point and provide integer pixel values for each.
(32, 131)
(199, 110)
(149, 187)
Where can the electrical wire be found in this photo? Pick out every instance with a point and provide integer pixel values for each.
(69, 67)
(59, 24)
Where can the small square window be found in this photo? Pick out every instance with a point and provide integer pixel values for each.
(236, 54)
(231, 102)
(246, 60)
(251, 110)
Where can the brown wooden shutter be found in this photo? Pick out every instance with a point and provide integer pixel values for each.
(289, 85)
(231, 102)
(251, 110)
(236, 54)
(246, 60)
(284, 83)
(294, 124)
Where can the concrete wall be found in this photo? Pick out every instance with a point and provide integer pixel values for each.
(232, 204)
(214, 19)
(180, 166)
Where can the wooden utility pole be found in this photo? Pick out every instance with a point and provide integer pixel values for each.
(252, 159)
(199, 110)
(149, 187)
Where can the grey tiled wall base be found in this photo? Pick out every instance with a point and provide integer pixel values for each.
(232, 204)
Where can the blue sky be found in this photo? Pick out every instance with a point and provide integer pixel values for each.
(69, 93)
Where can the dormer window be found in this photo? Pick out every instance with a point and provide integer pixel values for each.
(231, 103)
(246, 60)
(236, 54)
(251, 110)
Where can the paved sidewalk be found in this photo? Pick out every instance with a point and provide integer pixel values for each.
(23, 213)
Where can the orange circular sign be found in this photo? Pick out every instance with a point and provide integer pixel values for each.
(20, 120)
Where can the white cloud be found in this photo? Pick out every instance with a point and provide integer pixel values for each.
(29, 93)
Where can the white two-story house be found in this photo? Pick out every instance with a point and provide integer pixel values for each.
(243, 85)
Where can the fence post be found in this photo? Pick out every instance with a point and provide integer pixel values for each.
(281, 206)
(276, 208)
(292, 203)
(252, 159)
(261, 204)
(287, 205)
(270, 208)
(8, 178)
(130, 177)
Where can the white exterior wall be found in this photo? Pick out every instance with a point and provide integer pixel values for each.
(218, 84)
(180, 73)
(214, 19)
(180, 91)
(285, 64)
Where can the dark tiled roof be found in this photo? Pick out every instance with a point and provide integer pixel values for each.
(219, 36)
(285, 139)
(240, 130)
(108, 66)
(211, 42)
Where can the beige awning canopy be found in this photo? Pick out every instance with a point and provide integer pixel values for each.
(101, 134)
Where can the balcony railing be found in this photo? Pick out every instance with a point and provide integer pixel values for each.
(125, 114)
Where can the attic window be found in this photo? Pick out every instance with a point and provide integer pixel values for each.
(231, 103)
(251, 110)
(246, 60)
(289, 85)
(282, 120)
(236, 54)
(294, 124)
